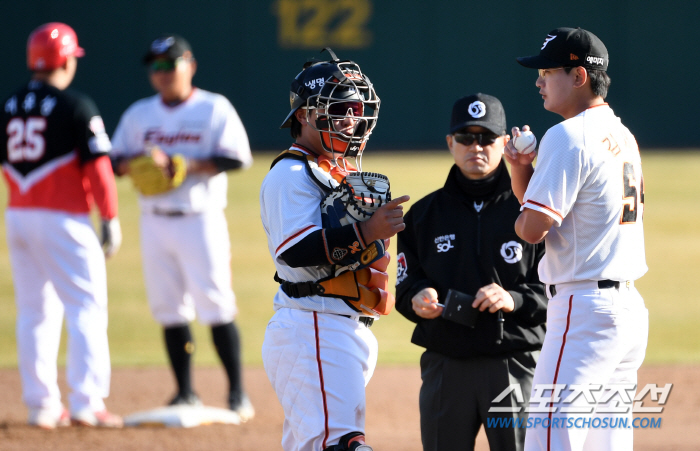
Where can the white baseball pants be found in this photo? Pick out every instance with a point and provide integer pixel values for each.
(187, 268)
(58, 270)
(594, 336)
(319, 365)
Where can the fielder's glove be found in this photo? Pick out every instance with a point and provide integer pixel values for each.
(157, 173)
(111, 238)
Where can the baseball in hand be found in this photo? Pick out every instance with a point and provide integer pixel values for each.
(525, 143)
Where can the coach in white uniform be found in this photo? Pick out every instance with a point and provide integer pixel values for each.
(184, 234)
(586, 200)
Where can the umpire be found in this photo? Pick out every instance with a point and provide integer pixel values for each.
(462, 237)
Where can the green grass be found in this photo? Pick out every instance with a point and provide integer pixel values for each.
(672, 215)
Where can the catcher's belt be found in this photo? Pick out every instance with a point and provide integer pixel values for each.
(350, 286)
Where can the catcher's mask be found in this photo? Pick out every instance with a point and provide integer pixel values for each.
(345, 102)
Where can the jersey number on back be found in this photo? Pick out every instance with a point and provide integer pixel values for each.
(633, 198)
(26, 140)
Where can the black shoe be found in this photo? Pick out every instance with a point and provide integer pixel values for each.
(188, 399)
(242, 406)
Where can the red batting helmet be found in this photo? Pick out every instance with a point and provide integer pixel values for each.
(50, 45)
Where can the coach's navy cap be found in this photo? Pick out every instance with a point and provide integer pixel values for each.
(569, 47)
(170, 46)
(478, 109)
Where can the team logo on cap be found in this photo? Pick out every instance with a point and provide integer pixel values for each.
(595, 60)
(512, 252)
(477, 109)
(316, 81)
(162, 45)
(547, 39)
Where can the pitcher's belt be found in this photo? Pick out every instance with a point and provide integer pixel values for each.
(591, 284)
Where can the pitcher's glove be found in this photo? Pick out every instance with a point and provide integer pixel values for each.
(157, 173)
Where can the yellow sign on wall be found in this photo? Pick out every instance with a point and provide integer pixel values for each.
(318, 23)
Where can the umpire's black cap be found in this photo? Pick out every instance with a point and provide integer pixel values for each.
(170, 46)
(478, 109)
(569, 47)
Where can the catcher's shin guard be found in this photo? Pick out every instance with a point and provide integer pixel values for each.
(353, 441)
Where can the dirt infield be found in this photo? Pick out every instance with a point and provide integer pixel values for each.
(392, 414)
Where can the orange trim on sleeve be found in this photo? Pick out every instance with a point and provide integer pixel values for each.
(292, 237)
(544, 206)
(356, 226)
(325, 246)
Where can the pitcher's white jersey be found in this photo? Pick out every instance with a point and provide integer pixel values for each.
(588, 178)
(205, 125)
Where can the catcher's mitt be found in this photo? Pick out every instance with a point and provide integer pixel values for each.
(156, 173)
(357, 197)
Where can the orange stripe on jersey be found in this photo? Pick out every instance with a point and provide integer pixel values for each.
(58, 185)
(292, 237)
(543, 206)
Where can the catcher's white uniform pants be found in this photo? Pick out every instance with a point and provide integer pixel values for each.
(319, 365)
(594, 336)
(58, 269)
(187, 268)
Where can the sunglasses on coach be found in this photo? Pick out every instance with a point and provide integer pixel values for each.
(165, 65)
(484, 139)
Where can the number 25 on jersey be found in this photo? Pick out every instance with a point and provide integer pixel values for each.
(26, 140)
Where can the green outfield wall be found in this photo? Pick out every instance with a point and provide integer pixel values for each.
(421, 55)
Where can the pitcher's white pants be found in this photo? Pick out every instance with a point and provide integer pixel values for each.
(594, 336)
(58, 270)
(319, 365)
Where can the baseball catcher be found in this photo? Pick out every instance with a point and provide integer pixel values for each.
(328, 224)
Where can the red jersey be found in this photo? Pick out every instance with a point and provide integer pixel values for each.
(56, 152)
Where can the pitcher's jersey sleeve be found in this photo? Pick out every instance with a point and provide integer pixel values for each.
(559, 174)
(229, 135)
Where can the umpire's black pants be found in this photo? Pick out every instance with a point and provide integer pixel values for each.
(456, 396)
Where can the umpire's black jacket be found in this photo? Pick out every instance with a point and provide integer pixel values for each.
(452, 241)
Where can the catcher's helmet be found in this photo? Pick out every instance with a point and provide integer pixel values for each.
(337, 90)
(50, 45)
